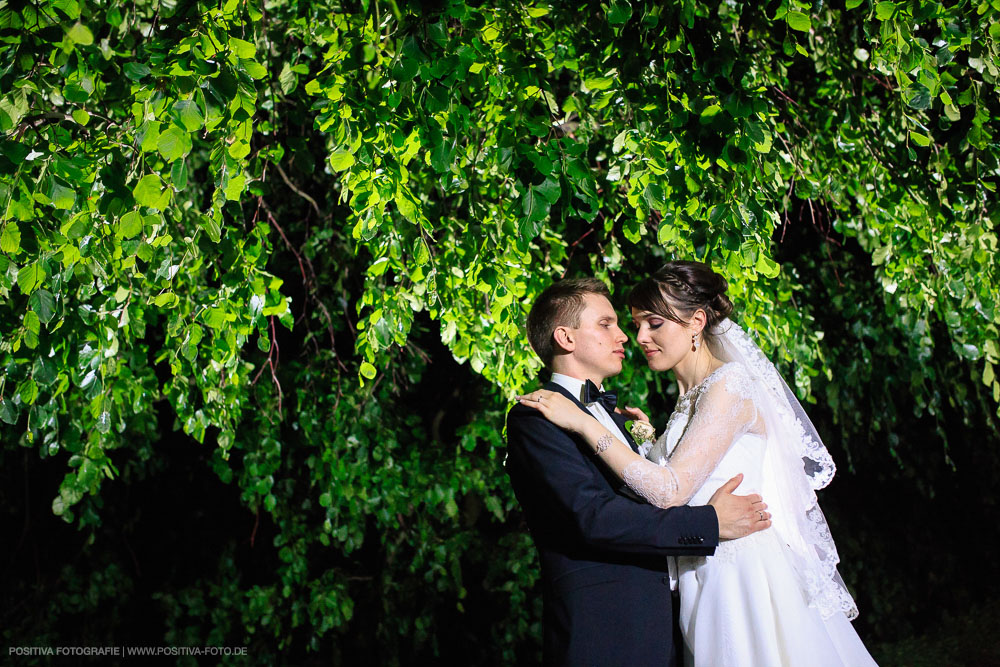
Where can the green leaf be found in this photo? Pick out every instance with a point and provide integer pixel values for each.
(550, 189)
(619, 12)
(239, 150)
(216, 318)
(31, 322)
(148, 191)
(211, 228)
(43, 303)
(534, 205)
(62, 197)
(188, 114)
(599, 82)
(29, 277)
(799, 21)
(378, 267)
(136, 71)
(341, 160)
(241, 48)
(28, 391)
(254, 69)
(81, 116)
(407, 207)
(234, 189)
(130, 225)
(920, 139)
(767, 266)
(174, 143)
(885, 10)
(851, 4)
(80, 34)
(881, 254)
(8, 411)
(166, 299)
(10, 238)
(367, 370)
(179, 174)
(920, 98)
(287, 79)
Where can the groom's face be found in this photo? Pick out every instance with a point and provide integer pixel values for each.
(598, 343)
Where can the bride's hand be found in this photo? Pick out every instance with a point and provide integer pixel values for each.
(555, 407)
(633, 413)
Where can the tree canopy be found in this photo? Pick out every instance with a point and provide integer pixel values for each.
(259, 224)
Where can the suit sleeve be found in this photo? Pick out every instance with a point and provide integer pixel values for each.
(543, 454)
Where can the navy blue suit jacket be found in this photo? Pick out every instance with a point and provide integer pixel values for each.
(605, 590)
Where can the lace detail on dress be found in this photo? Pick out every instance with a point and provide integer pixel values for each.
(727, 414)
(657, 485)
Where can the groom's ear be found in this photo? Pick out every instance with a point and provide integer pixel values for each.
(563, 337)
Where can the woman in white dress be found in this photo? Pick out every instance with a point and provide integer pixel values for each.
(775, 597)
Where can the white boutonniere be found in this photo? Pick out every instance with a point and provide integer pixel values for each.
(644, 434)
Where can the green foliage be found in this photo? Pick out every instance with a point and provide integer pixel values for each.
(174, 176)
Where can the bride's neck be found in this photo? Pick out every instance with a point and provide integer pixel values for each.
(694, 368)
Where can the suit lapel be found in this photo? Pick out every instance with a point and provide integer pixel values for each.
(620, 421)
(617, 418)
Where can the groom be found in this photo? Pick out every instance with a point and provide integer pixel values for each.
(605, 585)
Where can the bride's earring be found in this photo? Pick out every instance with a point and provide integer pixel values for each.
(694, 343)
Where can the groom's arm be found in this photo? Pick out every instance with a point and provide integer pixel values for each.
(547, 456)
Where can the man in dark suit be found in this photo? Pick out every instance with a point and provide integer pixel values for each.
(605, 583)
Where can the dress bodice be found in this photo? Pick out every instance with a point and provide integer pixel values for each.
(745, 455)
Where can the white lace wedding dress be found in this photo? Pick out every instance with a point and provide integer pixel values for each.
(759, 601)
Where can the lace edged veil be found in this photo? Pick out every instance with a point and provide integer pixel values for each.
(796, 465)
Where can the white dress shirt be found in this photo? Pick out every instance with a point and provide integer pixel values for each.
(575, 388)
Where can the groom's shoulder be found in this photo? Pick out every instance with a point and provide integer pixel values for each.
(523, 417)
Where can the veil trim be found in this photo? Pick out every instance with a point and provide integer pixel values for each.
(796, 465)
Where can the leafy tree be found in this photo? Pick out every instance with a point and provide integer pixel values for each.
(192, 189)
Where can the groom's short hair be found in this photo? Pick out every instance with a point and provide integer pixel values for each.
(559, 305)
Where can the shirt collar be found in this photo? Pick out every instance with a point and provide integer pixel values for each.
(572, 385)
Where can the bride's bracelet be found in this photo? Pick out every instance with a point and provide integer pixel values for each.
(603, 442)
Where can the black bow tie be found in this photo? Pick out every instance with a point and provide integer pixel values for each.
(591, 394)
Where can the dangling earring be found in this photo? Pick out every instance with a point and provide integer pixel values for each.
(694, 343)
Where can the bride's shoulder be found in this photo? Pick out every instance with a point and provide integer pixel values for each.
(731, 378)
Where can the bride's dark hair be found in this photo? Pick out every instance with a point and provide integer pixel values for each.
(678, 289)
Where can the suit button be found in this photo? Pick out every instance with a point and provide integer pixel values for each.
(701, 540)
(666, 581)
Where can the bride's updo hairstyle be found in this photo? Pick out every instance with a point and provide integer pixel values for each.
(678, 289)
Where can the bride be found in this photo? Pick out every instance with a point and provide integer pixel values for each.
(774, 597)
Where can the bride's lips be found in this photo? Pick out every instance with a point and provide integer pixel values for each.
(650, 353)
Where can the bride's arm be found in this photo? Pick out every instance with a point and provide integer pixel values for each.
(722, 414)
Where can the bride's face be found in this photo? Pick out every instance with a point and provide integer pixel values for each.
(664, 342)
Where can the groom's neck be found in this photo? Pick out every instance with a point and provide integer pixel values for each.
(578, 373)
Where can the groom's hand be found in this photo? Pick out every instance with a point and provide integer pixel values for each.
(739, 515)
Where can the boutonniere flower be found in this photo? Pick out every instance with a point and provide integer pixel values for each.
(642, 431)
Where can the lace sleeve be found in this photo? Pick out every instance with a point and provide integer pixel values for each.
(722, 412)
